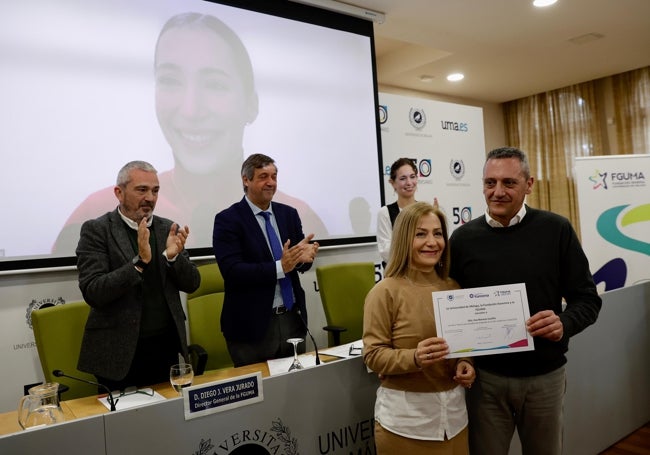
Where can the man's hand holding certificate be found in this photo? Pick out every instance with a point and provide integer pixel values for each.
(481, 321)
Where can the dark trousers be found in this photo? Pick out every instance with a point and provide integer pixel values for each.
(274, 343)
(533, 405)
(153, 358)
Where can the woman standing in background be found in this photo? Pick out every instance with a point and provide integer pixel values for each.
(404, 179)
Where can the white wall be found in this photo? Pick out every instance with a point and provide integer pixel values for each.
(493, 123)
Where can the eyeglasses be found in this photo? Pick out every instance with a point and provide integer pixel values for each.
(354, 350)
(133, 390)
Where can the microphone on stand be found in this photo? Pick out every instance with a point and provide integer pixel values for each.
(111, 401)
(312, 338)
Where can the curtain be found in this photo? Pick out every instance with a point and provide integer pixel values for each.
(632, 110)
(554, 128)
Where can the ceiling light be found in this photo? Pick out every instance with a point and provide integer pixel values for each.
(426, 78)
(543, 3)
(454, 77)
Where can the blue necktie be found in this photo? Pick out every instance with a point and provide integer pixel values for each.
(276, 248)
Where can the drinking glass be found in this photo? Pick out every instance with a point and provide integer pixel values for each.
(296, 365)
(181, 376)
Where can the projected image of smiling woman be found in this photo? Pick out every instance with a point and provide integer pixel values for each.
(205, 93)
(204, 98)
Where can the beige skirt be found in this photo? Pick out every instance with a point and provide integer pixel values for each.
(388, 443)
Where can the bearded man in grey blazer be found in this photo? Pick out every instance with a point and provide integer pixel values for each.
(132, 266)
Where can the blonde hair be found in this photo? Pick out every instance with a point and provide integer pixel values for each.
(401, 248)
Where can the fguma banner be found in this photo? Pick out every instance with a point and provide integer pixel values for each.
(614, 201)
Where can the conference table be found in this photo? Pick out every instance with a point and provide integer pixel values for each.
(322, 409)
(91, 406)
(329, 408)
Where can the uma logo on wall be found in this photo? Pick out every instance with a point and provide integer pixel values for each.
(457, 169)
(462, 127)
(276, 441)
(418, 118)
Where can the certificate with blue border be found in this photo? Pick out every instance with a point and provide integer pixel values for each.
(483, 321)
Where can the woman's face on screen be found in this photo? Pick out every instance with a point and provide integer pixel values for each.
(201, 104)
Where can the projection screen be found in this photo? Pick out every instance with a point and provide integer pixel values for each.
(88, 86)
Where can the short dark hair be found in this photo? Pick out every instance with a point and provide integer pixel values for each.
(255, 161)
(510, 152)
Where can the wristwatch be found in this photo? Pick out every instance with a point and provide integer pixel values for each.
(139, 263)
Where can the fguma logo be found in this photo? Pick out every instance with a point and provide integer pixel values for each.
(454, 126)
(613, 223)
(617, 179)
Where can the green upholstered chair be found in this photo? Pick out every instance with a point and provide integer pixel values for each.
(343, 289)
(211, 281)
(58, 331)
(204, 312)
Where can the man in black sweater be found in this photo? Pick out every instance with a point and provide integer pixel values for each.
(514, 243)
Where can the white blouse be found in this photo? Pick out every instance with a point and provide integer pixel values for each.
(384, 233)
(427, 416)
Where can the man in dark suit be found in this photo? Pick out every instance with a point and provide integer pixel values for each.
(132, 265)
(264, 304)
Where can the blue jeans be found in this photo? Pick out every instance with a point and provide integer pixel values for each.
(533, 405)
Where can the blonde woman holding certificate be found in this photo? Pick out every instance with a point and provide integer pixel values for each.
(420, 405)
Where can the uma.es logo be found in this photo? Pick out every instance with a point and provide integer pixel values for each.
(462, 127)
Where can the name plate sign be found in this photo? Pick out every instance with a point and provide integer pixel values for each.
(218, 396)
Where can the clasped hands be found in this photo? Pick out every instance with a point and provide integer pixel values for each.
(175, 241)
(301, 253)
(435, 349)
